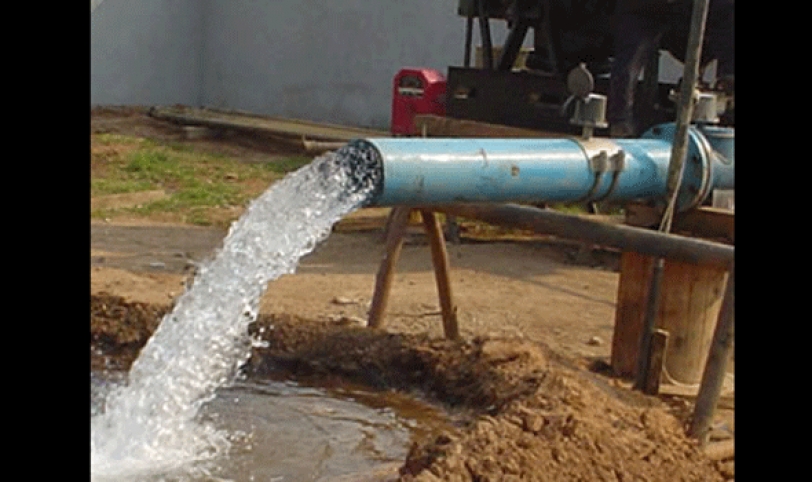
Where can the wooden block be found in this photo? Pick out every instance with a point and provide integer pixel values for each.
(702, 222)
(438, 126)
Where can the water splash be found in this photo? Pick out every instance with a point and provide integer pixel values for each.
(149, 427)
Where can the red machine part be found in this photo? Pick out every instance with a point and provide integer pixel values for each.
(416, 91)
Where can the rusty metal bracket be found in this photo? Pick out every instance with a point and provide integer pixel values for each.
(601, 163)
(617, 164)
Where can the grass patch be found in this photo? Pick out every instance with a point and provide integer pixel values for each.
(203, 187)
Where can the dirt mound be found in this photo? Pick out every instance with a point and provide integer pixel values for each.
(530, 416)
(118, 330)
(534, 418)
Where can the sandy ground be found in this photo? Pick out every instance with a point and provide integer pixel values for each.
(521, 303)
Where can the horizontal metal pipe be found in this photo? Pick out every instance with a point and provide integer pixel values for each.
(419, 171)
(621, 237)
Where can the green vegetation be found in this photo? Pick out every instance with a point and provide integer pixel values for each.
(202, 187)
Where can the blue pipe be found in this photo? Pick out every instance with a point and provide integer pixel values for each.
(424, 171)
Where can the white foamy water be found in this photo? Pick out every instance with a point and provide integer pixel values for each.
(148, 429)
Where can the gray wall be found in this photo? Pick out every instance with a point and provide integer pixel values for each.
(321, 60)
(330, 61)
(145, 52)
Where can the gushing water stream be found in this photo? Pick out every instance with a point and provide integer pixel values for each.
(149, 425)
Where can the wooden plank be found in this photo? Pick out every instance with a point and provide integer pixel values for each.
(364, 219)
(629, 312)
(727, 400)
(243, 121)
(707, 222)
(702, 222)
(438, 126)
(691, 299)
(439, 257)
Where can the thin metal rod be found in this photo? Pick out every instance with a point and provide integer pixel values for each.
(485, 36)
(710, 388)
(675, 167)
(469, 25)
(512, 46)
(621, 237)
(649, 323)
(658, 347)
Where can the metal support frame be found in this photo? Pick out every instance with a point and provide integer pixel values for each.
(485, 35)
(513, 43)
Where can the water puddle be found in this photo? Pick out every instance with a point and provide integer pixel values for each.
(285, 431)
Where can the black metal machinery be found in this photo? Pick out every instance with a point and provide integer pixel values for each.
(567, 35)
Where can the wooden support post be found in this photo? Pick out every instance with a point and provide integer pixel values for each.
(439, 257)
(656, 357)
(396, 229)
(714, 375)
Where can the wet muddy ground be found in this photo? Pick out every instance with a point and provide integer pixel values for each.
(520, 412)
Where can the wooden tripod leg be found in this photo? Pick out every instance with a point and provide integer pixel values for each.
(396, 229)
(439, 257)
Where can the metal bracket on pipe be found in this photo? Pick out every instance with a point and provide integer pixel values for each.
(603, 155)
(617, 163)
(596, 148)
(603, 162)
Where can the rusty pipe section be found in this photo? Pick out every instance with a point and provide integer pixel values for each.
(433, 171)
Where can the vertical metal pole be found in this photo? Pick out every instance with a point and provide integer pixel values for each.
(716, 367)
(679, 148)
(512, 46)
(650, 92)
(485, 36)
(656, 356)
(649, 324)
(469, 25)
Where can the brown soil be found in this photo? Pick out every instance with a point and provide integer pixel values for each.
(533, 322)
